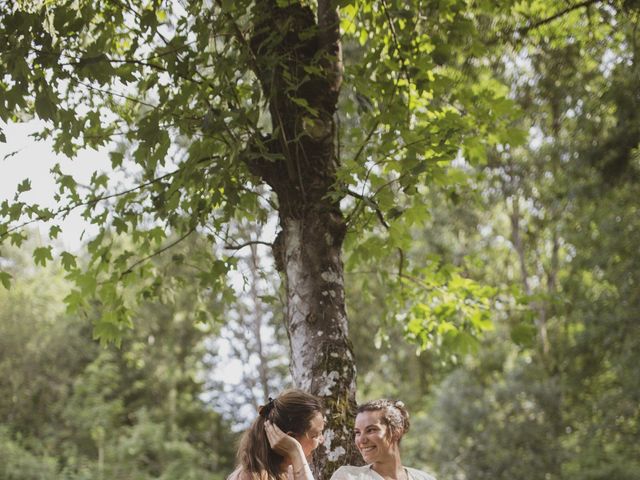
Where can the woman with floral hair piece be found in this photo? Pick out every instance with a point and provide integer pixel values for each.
(278, 442)
(380, 425)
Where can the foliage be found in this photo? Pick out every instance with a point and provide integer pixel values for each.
(551, 392)
(71, 409)
(173, 95)
(511, 266)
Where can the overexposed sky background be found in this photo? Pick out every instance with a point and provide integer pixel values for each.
(32, 159)
(27, 158)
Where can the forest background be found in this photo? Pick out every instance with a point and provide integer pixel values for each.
(497, 295)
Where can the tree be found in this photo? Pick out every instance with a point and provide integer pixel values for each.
(74, 410)
(206, 103)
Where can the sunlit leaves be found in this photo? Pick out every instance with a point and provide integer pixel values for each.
(452, 311)
(175, 88)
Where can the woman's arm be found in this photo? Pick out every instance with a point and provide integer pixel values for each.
(289, 447)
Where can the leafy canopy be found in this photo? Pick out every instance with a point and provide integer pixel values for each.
(169, 89)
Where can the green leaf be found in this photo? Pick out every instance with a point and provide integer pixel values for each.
(41, 255)
(54, 231)
(45, 104)
(116, 159)
(120, 225)
(96, 68)
(24, 186)
(17, 238)
(74, 301)
(68, 261)
(5, 279)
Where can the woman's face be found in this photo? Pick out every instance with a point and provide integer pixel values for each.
(313, 436)
(373, 438)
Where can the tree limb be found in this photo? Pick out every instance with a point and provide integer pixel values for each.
(157, 252)
(93, 201)
(372, 203)
(561, 13)
(246, 244)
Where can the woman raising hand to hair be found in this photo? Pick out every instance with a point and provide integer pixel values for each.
(266, 452)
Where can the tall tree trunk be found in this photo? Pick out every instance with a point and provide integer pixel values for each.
(298, 63)
(321, 355)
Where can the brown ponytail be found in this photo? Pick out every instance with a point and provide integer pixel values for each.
(292, 412)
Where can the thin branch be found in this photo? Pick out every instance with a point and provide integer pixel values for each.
(133, 61)
(371, 203)
(376, 123)
(246, 244)
(65, 210)
(539, 23)
(561, 13)
(240, 37)
(114, 94)
(156, 253)
(135, 100)
(366, 140)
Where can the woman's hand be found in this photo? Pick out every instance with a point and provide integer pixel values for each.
(290, 448)
(281, 443)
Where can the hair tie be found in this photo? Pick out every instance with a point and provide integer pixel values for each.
(265, 409)
(398, 404)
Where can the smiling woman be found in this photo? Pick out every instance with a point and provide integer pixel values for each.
(379, 428)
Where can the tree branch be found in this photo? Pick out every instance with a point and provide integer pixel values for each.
(372, 203)
(115, 94)
(93, 201)
(561, 13)
(246, 244)
(156, 253)
(240, 37)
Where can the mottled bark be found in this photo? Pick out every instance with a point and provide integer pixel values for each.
(299, 68)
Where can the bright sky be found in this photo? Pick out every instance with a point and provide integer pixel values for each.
(34, 160)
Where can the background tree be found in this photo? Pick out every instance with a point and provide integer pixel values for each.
(546, 232)
(71, 409)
